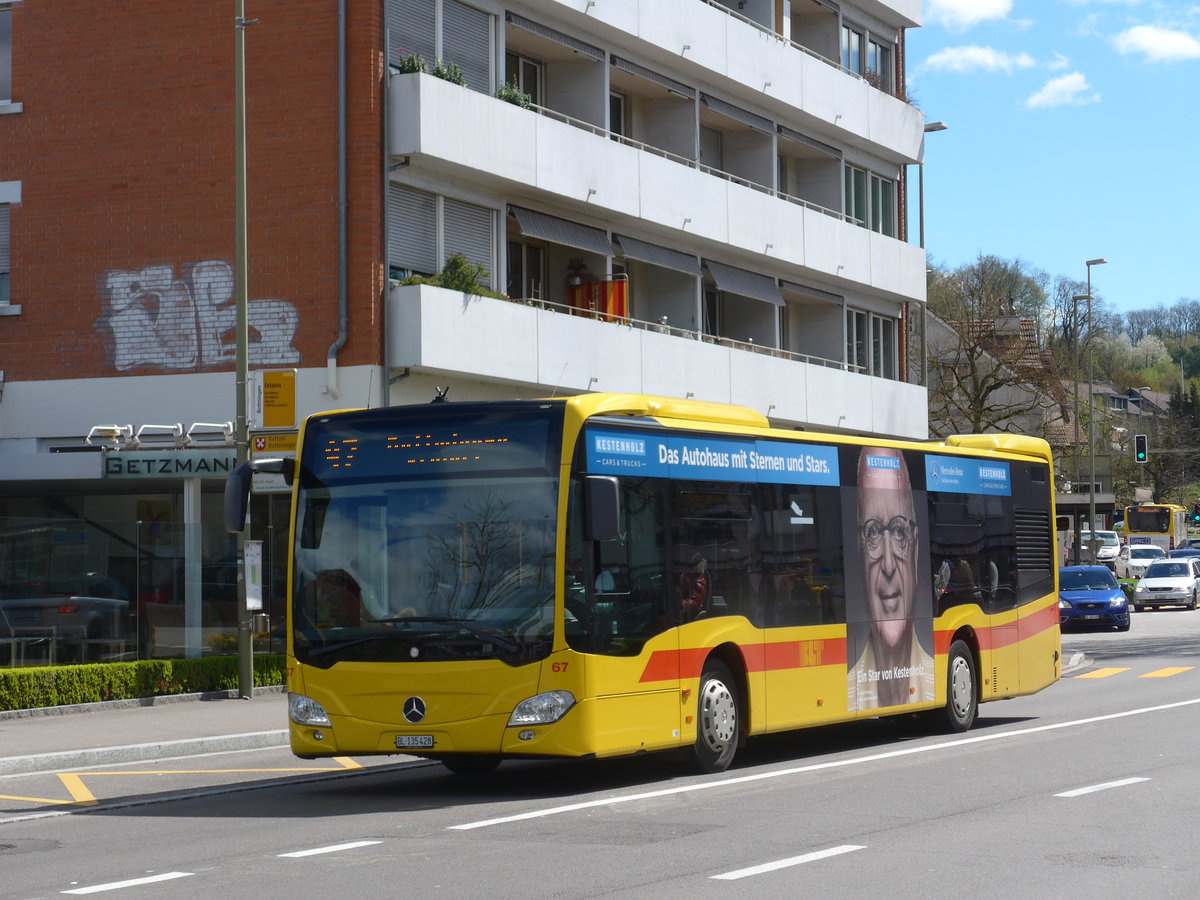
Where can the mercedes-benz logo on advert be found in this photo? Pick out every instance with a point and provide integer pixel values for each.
(414, 710)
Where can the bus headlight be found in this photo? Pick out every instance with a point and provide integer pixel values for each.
(306, 711)
(542, 709)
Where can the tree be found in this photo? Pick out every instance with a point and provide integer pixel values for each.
(988, 370)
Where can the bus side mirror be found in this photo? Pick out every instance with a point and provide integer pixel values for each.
(237, 488)
(602, 500)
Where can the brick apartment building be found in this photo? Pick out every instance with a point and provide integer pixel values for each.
(721, 187)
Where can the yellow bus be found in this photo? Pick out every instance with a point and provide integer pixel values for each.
(1161, 524)
(610, 574)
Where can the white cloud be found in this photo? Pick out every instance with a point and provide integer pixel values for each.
(1066, 90)
(1157, 44)
(977, 59)
(1060, 62)
(960, 15)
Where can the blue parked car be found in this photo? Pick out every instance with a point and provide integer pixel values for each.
(1089, 596)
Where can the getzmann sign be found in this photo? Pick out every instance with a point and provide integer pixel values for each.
(216, 463)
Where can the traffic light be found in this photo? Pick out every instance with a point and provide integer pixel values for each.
(1140, 450)
(1196, 514)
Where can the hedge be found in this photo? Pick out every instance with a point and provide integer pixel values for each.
(38, 686)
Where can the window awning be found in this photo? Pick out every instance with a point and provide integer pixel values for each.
(789, 134)
(551, 34)
(675, 87)
(659, 256)
(729, 111)
(560, 231)
(794, 287)
(748, 284)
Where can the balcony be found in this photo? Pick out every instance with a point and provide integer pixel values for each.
(540, 349)
(692, 33)
(577, 168)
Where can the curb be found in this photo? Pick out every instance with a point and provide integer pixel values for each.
(134, 703)
(75, 759)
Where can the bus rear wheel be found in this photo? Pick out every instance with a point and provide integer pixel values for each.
(718, 719)
(962, 697)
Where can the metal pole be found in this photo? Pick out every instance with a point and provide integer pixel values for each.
(1094, 541)
(925, 305)
(245, 642)
(1091, 432)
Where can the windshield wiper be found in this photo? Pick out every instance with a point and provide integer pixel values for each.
(465, 625)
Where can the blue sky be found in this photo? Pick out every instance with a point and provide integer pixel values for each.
(1073, 134)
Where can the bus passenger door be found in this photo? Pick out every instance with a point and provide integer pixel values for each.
(634, 664)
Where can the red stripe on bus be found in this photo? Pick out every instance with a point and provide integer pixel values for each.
(670, 665)
(993, 637)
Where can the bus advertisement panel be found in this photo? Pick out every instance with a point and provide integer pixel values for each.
(611, 574)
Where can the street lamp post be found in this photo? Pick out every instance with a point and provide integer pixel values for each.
(241, 436)
(1093, 541)
(929, 128)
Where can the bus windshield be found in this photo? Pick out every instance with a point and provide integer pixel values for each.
(1147, 520)
(426, 535)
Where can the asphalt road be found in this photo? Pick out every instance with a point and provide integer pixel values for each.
(1088, 789)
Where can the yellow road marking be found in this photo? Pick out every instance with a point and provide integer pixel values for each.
(33, 799)
(81, 796)
(1167, 673)
(206, 771)
(75, 787)
(1102, 673)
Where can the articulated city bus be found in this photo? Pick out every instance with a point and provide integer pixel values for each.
(609, 574)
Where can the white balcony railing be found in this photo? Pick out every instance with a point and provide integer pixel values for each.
(542, 348)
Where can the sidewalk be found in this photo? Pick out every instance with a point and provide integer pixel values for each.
(126, 731)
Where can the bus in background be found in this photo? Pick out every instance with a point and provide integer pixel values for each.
(1161, 524)
(610, 574)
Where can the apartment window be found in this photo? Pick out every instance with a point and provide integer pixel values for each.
(871, 343)
(856, 195)
(866, 55)
(425, 229)
(5, 53)
(617, 123)
(871, 200)
(711, 321)
(526, 270)
(526, 74)
(852, 47)
(883, 206)
(879, 65)
(447, 30)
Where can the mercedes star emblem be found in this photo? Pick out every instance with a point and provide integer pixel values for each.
(414, 710)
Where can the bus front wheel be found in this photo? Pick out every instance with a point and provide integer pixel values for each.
(717, 719)
(962, 698)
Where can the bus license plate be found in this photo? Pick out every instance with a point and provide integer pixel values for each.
(414, 741)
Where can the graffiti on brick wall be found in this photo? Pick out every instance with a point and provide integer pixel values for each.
(189, 322)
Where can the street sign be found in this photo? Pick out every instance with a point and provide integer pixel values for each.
(272, 445)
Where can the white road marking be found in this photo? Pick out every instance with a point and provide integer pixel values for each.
(817, 767)
(785, 863)
(334, 848)
(1079, 792)
(132, 882)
